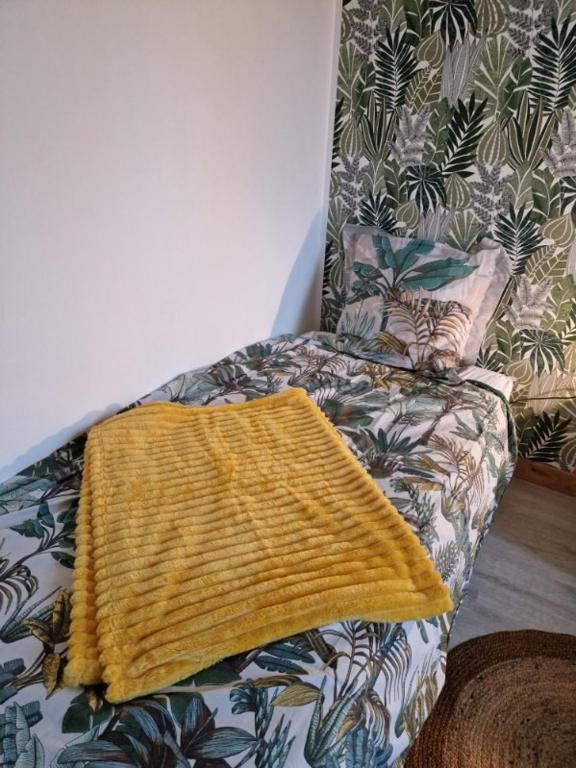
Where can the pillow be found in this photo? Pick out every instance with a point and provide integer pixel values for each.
(416, 303)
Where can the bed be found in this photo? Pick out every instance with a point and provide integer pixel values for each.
(353, 694)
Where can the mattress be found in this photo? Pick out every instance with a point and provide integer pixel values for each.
(350, 694)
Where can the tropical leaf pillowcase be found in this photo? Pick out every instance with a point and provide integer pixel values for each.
(416, 303)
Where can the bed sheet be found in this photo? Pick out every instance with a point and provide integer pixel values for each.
(353, 694)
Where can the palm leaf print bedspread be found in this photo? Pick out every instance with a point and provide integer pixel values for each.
(353, 694)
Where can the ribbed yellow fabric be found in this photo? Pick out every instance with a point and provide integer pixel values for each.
(206, 531)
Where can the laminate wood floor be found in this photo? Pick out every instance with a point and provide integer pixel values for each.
(525, 574)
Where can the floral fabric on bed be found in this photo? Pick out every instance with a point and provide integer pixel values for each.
(417, 303)
(349, 695)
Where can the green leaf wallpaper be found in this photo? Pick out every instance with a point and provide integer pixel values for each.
(456, 119)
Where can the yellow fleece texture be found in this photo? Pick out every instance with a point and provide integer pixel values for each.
(205, 531)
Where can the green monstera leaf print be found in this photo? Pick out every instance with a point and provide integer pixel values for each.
(467, 115)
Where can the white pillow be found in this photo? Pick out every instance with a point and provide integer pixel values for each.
(387, 278)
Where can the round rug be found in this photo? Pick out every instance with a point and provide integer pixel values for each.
(509, 702)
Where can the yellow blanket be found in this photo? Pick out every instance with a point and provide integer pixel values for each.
(206, 531)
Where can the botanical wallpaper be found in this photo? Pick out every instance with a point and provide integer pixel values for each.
(455, 119)
(350, 695)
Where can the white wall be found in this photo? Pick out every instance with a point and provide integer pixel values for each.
(163, 187)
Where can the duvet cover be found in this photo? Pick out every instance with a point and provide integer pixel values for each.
(350, 695)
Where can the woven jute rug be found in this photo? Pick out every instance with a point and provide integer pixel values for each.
(509, 702)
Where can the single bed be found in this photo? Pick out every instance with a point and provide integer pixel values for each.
(353, 694)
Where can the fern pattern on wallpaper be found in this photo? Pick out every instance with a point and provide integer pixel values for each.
(455, 119)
